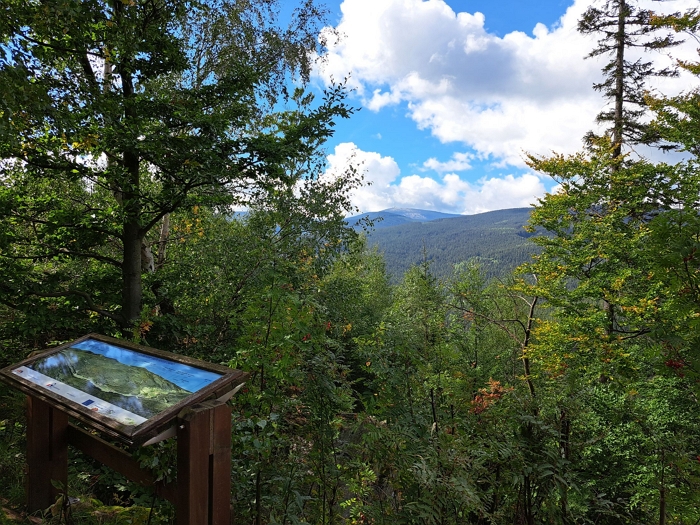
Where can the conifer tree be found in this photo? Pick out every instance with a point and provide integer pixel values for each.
(623, 26)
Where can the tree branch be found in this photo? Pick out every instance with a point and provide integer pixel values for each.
(88, 299)
(66, 251)
(55, 47)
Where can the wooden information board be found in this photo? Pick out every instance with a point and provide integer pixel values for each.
(137, 395)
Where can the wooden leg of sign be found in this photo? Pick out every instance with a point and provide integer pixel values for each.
(221, 465)
(47, 454)
(204, 464)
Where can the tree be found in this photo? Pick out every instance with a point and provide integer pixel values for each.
(594, 265)
(116, 114)
(622, 27)
(598, 273)
(251, 291)
(675, 234)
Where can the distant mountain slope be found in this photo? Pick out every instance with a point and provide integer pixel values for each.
(395, 216)
(496, 239)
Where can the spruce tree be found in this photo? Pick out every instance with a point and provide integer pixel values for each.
(623, 26)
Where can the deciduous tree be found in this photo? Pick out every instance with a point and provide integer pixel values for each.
(115, 114)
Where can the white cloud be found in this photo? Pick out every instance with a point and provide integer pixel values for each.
(510, 191)
(459, 162)
(499, 96)
(379, 172)
(449, 193)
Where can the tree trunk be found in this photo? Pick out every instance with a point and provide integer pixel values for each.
(565, 450)
(163, 242)
(526, 342)
(619, 80)
(529, 514)
(131, 275)
(132, 236)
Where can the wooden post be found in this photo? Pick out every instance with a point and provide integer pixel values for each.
(47, 454)
(202, 494)
(204, 464)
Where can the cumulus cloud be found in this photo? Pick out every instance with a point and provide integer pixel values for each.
(499, 96)
(449, 193)
(459, 162)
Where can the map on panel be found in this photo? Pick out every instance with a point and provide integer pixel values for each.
(125, 385)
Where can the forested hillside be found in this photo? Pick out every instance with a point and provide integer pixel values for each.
(566, 392)
(496, 240)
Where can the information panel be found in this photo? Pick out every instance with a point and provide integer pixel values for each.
(122, 382)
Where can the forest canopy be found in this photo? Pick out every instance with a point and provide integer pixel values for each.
(566, 392)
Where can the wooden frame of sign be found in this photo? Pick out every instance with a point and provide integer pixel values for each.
(47, 383)
(152, 395)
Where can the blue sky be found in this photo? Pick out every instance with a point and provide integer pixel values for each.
(452, 93)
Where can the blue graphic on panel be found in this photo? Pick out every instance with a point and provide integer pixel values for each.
(186, 377)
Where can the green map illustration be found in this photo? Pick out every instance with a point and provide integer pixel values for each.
(132, 388)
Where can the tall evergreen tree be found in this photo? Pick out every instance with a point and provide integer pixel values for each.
(623, 26)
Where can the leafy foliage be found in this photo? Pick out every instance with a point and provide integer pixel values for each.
(120, 115)
(563, 393)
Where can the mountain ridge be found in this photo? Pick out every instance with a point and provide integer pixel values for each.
(395, 216)
(496, 240)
